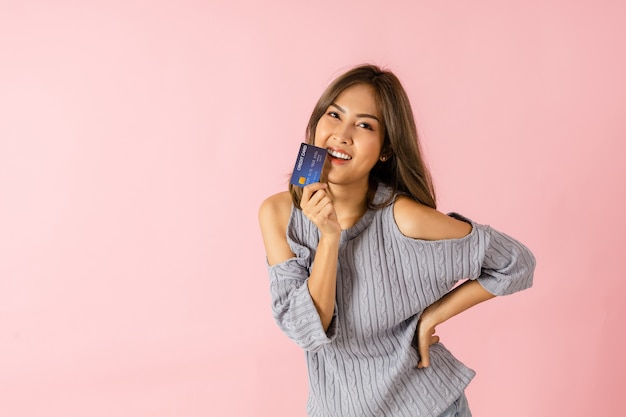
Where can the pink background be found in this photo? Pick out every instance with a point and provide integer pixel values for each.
(138, 138)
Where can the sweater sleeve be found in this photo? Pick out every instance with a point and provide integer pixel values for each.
(507, 266)
(293, 307)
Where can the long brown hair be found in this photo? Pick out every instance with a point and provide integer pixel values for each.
(404, 171)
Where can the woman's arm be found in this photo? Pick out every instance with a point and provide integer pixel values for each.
(507, 266)
(456, 301)
(318, 207)
(293, 308)
(288, 279)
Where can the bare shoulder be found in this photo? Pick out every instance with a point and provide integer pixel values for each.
(274, 215)
(275, 208)
(418, 221)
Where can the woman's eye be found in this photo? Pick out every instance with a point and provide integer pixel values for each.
(366, 126)
(333, 114)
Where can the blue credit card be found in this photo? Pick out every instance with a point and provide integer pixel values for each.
(309, 164)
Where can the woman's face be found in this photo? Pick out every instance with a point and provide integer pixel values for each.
(353, 133)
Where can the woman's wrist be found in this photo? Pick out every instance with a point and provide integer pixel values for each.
(431, 316)
(330, 238)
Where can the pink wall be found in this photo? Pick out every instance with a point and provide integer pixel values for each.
(138, 138)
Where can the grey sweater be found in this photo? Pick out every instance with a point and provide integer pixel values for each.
(365, 364)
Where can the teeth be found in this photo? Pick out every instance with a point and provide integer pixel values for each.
(339, 155)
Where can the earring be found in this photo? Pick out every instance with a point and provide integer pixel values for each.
(383, 158)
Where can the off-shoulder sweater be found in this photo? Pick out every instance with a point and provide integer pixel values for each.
(365, 363)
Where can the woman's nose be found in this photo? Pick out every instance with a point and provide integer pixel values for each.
(343, 134)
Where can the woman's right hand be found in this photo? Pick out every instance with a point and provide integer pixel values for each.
(318, 207)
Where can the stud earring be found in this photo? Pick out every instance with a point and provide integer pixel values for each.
(383, 158)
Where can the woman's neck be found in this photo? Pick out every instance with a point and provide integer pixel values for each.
(350, 203)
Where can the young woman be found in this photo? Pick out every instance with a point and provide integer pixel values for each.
(363, 267)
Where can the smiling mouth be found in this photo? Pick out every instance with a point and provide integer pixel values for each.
(339, 155)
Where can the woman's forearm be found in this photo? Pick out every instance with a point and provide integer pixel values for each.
(456, 301)
(322, 282)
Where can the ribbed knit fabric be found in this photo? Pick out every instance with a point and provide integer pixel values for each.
(365, 365)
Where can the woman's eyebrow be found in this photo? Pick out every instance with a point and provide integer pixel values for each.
(342, 110)
(338, 107)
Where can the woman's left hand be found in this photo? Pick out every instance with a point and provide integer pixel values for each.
(459, 299)
(426, 335)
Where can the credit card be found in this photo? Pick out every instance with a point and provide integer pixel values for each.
(309, 165)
